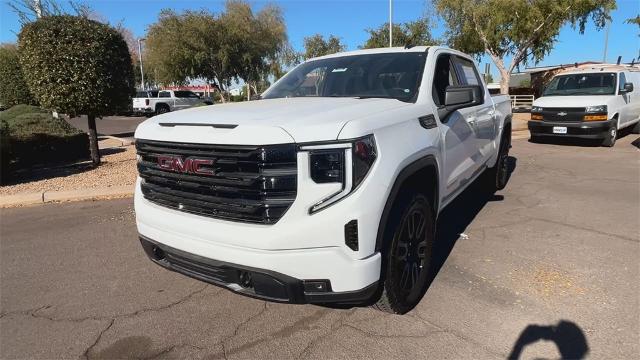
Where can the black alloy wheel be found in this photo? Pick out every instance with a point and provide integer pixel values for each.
(408, 263)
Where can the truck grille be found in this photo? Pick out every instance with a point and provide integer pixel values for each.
(255, 184)
(571, 114)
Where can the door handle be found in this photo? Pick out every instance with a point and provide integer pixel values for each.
(472, 120)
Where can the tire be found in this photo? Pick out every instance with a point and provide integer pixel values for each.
(636, 128)
(161, 109)
(610, 138)
(498, 175)
(407, 269)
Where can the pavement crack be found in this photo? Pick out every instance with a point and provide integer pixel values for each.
(85, 355)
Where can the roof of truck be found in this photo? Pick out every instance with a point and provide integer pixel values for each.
(601, 68)
(398, 49)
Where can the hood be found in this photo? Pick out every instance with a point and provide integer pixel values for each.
(572, 101)
(263, 122)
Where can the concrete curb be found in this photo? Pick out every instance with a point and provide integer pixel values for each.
(59, 196)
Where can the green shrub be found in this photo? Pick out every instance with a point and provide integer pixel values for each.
(30, 135)
(75, 65)
(13, 87)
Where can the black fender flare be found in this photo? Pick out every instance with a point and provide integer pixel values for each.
(405, 173)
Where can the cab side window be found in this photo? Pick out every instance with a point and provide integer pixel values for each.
(164, 94)
(467, 73)
(443, 76)
(621, 81)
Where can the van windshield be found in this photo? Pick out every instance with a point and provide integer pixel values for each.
(582, 84)
(389, 75)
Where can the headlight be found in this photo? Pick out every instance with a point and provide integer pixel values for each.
(535, 109)
(345, 163)
(596, 109)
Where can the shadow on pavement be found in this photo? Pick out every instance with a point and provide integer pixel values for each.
(455, 218)
(568, 337)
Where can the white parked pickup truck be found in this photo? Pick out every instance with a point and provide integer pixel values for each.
(156, 102)
(591, 103)
(328, 189)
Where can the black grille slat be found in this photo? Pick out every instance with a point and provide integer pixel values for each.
(572, 114)
(254, 184)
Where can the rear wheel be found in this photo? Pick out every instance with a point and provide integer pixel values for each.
(498, 176)
(408, 262)
(161, 109)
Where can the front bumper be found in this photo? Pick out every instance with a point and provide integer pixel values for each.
(253, 282)
(585, 130)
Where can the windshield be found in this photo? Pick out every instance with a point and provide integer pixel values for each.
(582, 84)
(390, 75)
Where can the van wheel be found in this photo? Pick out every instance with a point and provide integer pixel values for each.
(610, 138)
(408, 259)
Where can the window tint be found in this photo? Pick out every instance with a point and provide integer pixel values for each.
(467, 72)
(393, 75)
(185, 94)
(622, 81)
(582, 84)
(164, 94)
(444, 75)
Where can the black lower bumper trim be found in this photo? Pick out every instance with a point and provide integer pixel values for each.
(258, 283)
(585, 130)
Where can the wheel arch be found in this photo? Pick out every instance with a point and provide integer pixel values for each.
(162, 104)
(410, 177)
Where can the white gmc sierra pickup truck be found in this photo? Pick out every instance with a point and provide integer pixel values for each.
(326, 190)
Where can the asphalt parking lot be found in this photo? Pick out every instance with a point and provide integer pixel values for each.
(547, 268)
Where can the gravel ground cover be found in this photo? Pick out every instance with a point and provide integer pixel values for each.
(118, 168)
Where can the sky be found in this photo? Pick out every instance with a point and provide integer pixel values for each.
(348, 20)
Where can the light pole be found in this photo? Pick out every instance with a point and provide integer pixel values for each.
(390, 23)
(140, 40)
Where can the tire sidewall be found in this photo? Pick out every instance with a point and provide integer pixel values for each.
(399, 302)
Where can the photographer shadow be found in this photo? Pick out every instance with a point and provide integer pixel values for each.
(568, 337)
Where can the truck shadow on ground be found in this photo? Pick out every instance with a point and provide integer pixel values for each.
(566, 335)
(456, 217)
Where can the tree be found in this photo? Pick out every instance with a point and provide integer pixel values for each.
(236, 44)
(13, 87)
(77, 66)
(316, 45)
(523, 30)
(414, 33)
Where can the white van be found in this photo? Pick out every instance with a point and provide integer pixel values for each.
(592, 103)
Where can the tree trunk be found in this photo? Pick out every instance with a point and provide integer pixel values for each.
(93, 140)
(505, 76)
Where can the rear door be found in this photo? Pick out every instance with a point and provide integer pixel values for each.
(481, 118)
(165, 97)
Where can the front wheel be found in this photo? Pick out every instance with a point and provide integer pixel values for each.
(408, 258)
(610, 138)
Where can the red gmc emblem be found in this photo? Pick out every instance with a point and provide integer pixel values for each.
(191, 165)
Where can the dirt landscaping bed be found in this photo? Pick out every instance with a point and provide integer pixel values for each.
(118, 168)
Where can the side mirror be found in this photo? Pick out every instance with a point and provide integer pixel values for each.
(458, 97)
(628, 87)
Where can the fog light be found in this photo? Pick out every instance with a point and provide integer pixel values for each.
(351, 235)
(315, 286)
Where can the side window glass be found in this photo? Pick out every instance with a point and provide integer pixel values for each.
(467, 72)
(622, 81)
(444, 75)
(164, 94)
